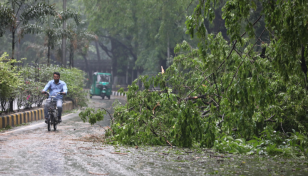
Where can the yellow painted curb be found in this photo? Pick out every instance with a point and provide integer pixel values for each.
(28, 116)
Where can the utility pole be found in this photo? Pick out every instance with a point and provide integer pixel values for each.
(64, 38)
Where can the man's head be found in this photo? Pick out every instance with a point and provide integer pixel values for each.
(56, 76)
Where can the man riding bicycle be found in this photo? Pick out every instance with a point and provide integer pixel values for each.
(55, 86)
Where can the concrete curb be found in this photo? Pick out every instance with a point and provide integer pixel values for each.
(115, 93)
(67, 106)
(28, 116)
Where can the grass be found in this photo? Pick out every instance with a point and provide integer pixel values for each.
(23, 124)
(8, 127)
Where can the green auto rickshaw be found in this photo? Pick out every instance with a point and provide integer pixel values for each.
(101, 85)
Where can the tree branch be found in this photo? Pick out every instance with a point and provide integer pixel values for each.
(205, 112)
(196, 97)
(222, 119)
(270, 119)
(123, 45)
(243, 61)
(109, 114)
(198, 86)
(108, 52)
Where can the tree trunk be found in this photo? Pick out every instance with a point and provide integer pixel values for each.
(136, 44)
(48, 54)
(71, 56)
(73, 60)
(48, 47)
(168, 47)
(64, 38)
(114, 52)
(13, 33)
(11, 99)
(303, 61)
(18, 43)
(127, 69)
(97, 51)
(219, 24)
(13, 42)
(18, 50)
(87, 65)
(132, 75)
(54, 59)
(303, 65)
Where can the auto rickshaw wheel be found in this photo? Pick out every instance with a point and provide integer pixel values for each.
(103, 96)
(90, 96)
(109, 97)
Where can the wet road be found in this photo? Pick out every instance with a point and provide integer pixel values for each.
(77, 148)
(32, 150)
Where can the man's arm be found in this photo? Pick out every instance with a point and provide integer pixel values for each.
(64, 88)
(46, 87)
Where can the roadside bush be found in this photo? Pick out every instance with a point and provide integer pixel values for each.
(75, 80)
(24, 84)
(29, 94)
(9, 80)
(37, 77)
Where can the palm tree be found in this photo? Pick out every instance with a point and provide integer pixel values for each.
(6, 18)
(24, 11)
(19, 14)
(63, 37)
(79, 41)
(54, 32)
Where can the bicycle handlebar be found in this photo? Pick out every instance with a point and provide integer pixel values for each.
(55, 95)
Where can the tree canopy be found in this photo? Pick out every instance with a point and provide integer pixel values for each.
(145, 31)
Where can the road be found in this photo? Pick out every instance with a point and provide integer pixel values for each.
(77, 148)
(32, 150)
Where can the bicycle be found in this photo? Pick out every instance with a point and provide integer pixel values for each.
(52, 118)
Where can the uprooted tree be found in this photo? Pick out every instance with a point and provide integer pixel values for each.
(246, 88)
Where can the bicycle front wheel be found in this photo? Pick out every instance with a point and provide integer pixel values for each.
(55, 123)
(48, 124)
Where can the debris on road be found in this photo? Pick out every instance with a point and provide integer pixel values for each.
(119, 153)
(97, 173)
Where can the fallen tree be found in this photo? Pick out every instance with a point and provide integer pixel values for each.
(246, 95)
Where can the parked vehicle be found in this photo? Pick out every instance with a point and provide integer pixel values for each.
(101, 85)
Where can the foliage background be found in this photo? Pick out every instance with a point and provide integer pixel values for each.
(25, 83)
(74, 79)
(241, 74)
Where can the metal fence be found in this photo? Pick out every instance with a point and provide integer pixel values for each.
(15, 106)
